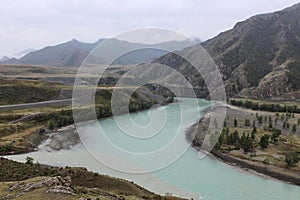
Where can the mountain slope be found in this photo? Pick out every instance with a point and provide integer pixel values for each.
(259, 57)
(67, 54)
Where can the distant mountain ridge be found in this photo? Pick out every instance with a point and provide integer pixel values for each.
(72, 53)
(259, 57)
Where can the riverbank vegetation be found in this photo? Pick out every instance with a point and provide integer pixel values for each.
(23, 129)
(266, 106)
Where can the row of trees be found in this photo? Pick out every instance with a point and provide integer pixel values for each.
(65, 117)
(246, 141)
(265, 107)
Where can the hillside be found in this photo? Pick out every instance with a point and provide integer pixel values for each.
(35, 181)
(258, 58)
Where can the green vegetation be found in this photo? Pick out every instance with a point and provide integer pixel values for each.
(266, 106)
(264, 141)
(235, 122)
(292, 158)
(16, 91)
(29, 160)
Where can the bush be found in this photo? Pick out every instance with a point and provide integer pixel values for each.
(29, 160)
(291, 158)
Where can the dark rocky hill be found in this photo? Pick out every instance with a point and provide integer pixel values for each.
(258, 58)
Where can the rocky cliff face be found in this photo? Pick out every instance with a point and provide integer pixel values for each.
(259, 57)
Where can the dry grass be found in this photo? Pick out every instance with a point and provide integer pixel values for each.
(274, 155)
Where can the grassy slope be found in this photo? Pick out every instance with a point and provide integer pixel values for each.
(15, 91)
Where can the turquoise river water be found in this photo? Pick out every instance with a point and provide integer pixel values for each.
(189, 176)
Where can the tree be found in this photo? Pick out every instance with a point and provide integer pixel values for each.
(225, 123)
(270, 119)
(253, 135)
(270, 126)
(29, 160)
(253, 123)
(235, 122)
(276, 133)
(247, 122)
(284, 125)
(264, 141)
(254, 129)
(294, 128)
(236, 139)
(246, 143)
(260, 119)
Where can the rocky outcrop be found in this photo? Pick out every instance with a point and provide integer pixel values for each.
(64, 138)
(274, 85)
(61, 189)
(55, 184)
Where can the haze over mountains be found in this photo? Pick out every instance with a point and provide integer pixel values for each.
(72, 53)
(259, 57)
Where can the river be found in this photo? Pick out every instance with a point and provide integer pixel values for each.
(189, 176)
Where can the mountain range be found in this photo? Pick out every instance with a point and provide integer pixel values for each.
(258, 57)
(72, 53)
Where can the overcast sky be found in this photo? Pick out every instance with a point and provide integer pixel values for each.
(37, 23)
